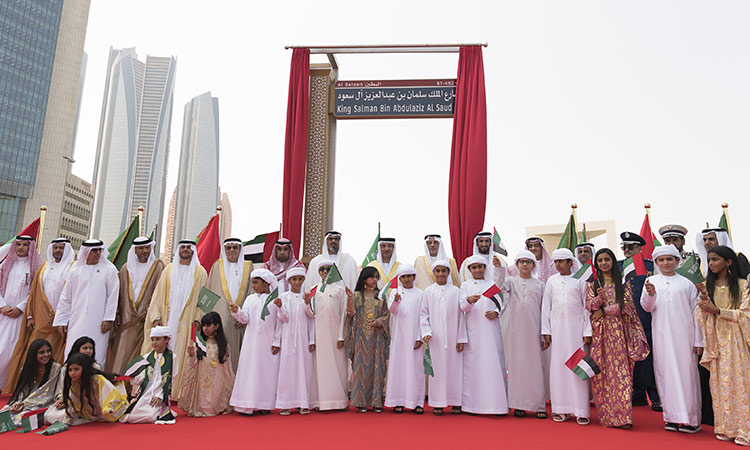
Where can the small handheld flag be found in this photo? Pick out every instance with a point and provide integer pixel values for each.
(497, 243)
(392, 284)
(271, 297)
(427, 361)
(372, 255)
(57, 427)
(491, 293)
(333, 276)
(582, 365)
(32, 420)
(197, 338)
(691, 269)
(207, 300)
(313, 291)
(123, 378)
(586, 271)
(633, 267)
(6, 422)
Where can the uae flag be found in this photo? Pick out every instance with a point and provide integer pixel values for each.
(197, 338)
(492, 293)
(648, 235)
(271, 297)
(134, 365)
(313, 291)
(259, 248)
(586, 271)
(582, 365)
(497, 243)
(393, 284)
(32, 420)
(634, 267)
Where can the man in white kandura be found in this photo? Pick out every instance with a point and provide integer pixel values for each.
(434, 250)
(332, 251)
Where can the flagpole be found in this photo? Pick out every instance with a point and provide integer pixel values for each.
(574, 211)
(42, 214)
(725, 207)
(378, 228)
(218, 212)
(281, 228)
(648, 213)
(140, 220)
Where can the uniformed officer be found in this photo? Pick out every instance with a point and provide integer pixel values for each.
(675, 234)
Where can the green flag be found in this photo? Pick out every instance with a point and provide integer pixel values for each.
(207, 300)
(6, 422)
(723, 222)
(271, 297)
(333, 276)
(118, 250)
(691, 269)
(372, 255)
(427, 360)
(57, 427)
(569, 238)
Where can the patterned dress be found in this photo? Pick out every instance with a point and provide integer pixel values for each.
(727, 356)
(207, 384)
(617, 342)
(367, 347)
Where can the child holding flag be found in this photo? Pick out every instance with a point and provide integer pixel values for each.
(258, 368)
(297, 342)
(617, 341)
(566, 328)
(484, 388)
(405, 384)
(523, 314)
(153, 372)
(672, 301)
(209, 377)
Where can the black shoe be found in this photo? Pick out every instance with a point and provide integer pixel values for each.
(418, 410)
(656, 406)
(398, 409)
(378, 410)
(671, 426)
(640, 402)
(264, 412)
(362, 410)
(456, 410)
(688, 429)
(437, 411)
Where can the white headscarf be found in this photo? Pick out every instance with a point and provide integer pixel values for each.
(441, 255)
(563, 254)
(295, 272)
(233, 270)
(86, 248)
(182, 276)
(137, 271)
(441, 263)
(722, 238)
(667, 250)
(489, 272)
(405, 269)
(161, 331)
(593, 249)
(525, 254)
(57, 271)
(337, 257)
(267, 276)
(386, 266)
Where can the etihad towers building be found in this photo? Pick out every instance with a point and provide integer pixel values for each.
(133, 145)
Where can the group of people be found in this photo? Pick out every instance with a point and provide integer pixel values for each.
(491, 335)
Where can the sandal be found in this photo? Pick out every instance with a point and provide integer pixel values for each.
(437, 411)
(362, 410)
(541, 415)
(378, 410)
(456, 410)
(583, 421)
(304, 411)
(418, 410)
(285, 412)
(560, 417)
(519, 413)
(398, 409)
(724, 438)
(742, 441)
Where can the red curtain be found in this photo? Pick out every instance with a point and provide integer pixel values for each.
(295, 146)
(467, 192)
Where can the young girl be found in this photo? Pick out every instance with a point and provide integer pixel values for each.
(618, 341)
(367, 343)
(87, 346)
(38, 383)
(725, 321)
(297, 343)
(208, 380)
(672, 300)
(87, 395)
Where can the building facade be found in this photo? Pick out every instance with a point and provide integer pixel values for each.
(78, 199)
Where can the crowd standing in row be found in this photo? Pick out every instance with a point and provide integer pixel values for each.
(496, 336)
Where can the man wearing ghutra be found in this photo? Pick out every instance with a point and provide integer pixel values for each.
(386, 262)
(281, 261)
(332, 250)
(434, 251)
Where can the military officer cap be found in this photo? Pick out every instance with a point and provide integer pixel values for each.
(673, 230)
(629, 237)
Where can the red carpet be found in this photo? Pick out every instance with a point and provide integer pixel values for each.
(339, 430)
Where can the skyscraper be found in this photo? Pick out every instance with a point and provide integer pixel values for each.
(133, 145)
(41, 68)
(198, 177)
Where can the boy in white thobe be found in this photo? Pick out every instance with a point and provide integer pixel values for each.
(154, 382)
(672, 299)
(405, 382)
(484, 385)
(523, 311)
(444, 330)
(258, 369)
(297, 342)
(566, 328)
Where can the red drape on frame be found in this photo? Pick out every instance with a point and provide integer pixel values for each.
(467, 192)
(295, 146)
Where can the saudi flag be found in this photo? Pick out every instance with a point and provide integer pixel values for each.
(582, 365)
(393, 284)
(427, 361)
(6, 422)
(333, 276)
(497, 243)
(569, 238)
(691, 269)
(633, 267)
(207, 300)
(271, 297)
(118, 250)
(32, 420)
(313, 291)
(586, 271)
(134, 365)
(57, 427)
(197, 338)
(372, 255)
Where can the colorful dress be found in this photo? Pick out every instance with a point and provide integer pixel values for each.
(727, 356)
(109, 404)
(367, 347)
(617, 342)
(207, 384)
(41, 395)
